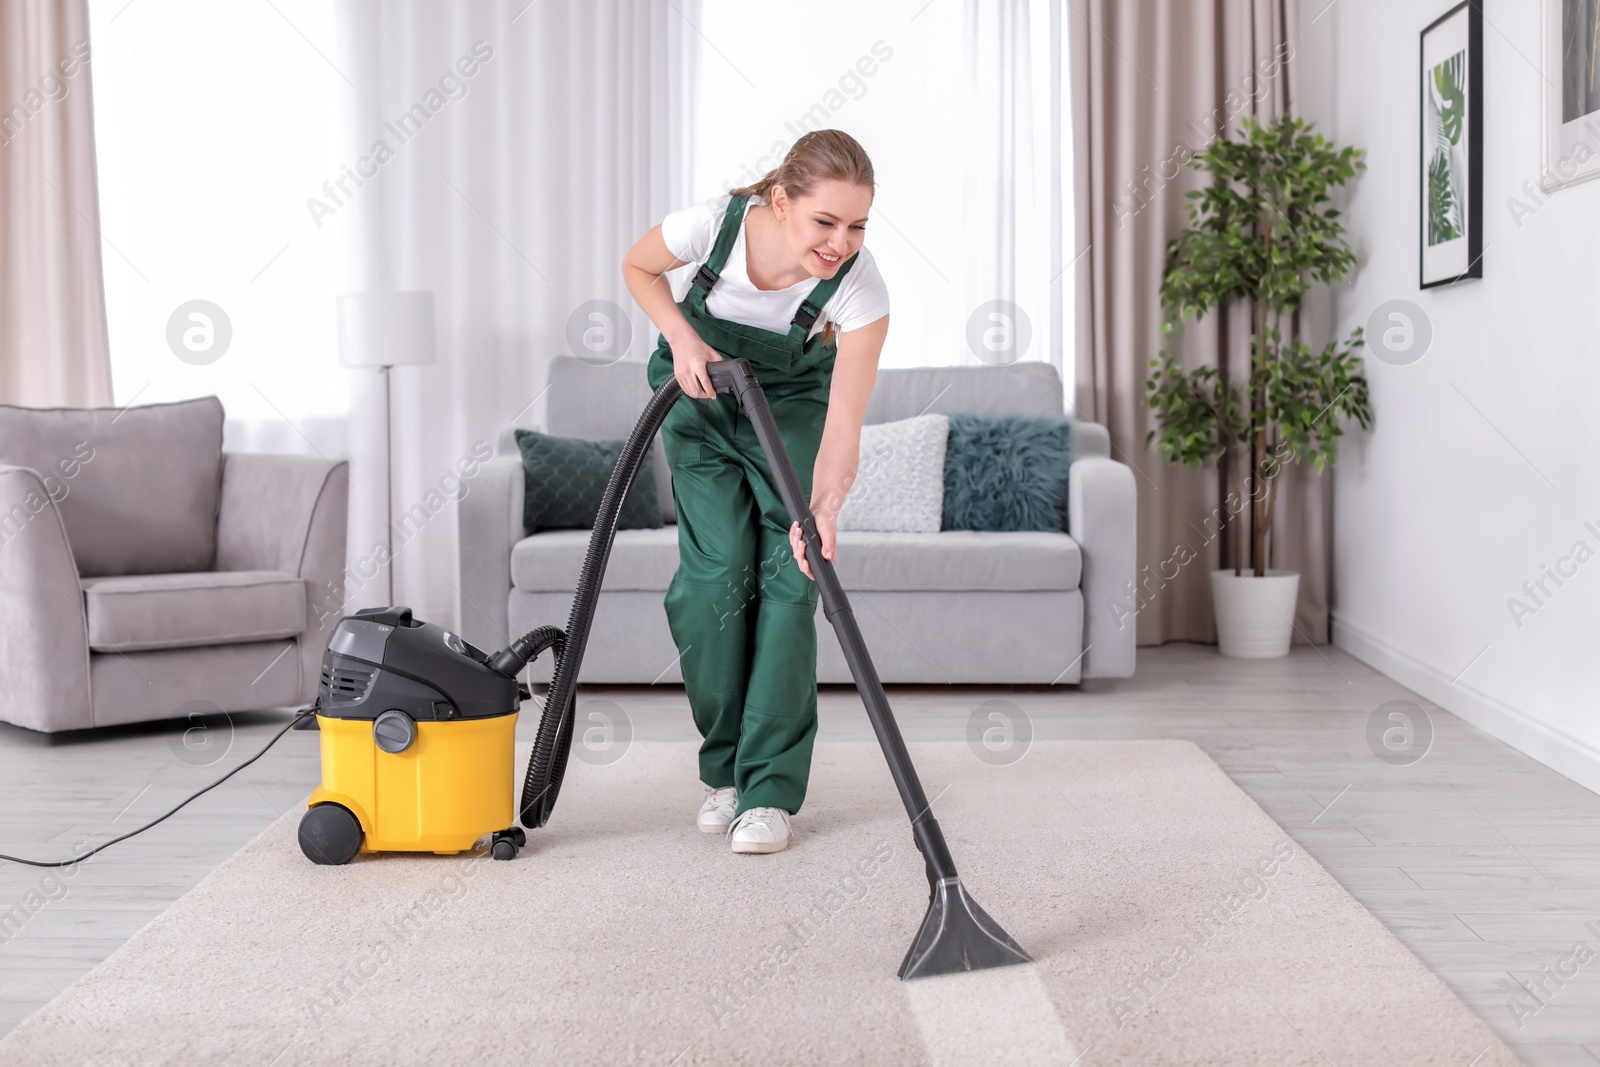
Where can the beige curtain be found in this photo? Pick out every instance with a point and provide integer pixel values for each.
(1154, 81)
(53, 347)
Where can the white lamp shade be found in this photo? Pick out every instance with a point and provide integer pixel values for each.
(386, 329)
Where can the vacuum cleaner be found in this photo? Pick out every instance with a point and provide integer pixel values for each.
(417, 729)
(417, 725)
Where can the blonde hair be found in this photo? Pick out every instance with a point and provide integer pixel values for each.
(817, 156)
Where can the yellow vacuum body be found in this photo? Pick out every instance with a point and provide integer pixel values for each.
(418, 732)
(451, 786)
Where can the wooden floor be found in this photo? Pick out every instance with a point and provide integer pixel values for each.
(1481, 860)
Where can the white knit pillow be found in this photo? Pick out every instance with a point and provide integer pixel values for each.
(899, 483)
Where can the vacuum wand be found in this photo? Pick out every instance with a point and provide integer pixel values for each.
(836, 608)
(956, 934)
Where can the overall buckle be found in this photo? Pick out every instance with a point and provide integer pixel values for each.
(705, 277)
(806, 316)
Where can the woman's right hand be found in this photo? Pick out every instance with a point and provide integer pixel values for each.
(689, 358)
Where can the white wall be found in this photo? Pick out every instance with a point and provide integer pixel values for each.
(1481, 468)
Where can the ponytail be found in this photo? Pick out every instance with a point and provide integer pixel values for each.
(817, 156)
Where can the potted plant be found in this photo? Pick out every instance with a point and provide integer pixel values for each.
(1261, 232)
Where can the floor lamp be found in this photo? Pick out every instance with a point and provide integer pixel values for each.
(385, 330)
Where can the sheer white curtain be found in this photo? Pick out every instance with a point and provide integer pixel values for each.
(267, 157)
(530, 145)
(962, 105)
(1018, 157)
(213, 124)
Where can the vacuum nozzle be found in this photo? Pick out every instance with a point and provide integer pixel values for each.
(957, 935)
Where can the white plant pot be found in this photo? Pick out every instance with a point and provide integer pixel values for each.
(1255, 616)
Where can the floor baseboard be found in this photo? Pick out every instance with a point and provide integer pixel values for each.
(1572, 756)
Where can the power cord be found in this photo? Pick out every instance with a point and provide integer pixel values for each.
(299, 715)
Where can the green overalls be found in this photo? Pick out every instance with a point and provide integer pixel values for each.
(741, 611)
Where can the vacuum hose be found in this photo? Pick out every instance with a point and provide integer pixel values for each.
(553, 743)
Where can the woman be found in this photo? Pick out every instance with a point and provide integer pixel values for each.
(778, 258)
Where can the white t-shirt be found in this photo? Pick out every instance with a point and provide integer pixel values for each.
(861, 298)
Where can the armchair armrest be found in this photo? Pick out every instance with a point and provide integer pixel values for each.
(489, 523)
(1101, 511)
(289, 514)
(44, 638)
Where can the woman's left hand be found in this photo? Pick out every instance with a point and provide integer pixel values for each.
(825, 531)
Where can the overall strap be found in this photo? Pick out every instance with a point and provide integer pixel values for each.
(711, 270)
(806, 315)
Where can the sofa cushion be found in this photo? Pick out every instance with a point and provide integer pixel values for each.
(1006, 472)
(959, 560)
(601, 402)
(1030, 387)
(565, 481)
(138, 487)
(952, 560)
(148, 611)
(549, 561)
(899, 481)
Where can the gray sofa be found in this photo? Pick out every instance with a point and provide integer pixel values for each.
(146, 574)
(957, 606)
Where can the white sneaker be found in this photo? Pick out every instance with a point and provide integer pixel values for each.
(717, 811)
(760, 830)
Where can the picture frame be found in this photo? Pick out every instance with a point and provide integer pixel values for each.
(1450, 147)
(1570, 119)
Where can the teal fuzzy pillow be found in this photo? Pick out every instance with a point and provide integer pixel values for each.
(1006, 472)
(566, 479)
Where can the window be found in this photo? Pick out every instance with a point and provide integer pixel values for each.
(214, 124)
(896, 77)
(882, 77)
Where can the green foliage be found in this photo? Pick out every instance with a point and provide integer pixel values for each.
(1450, 82)
(1441, 201)
(1265, 228)
(1447, 108)
(1305, 395)
(1262, 231)
(1301, 382)
(1199, 419)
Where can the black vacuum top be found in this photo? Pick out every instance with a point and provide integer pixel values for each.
(380, 659)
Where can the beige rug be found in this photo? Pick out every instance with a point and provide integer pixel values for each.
(1172, 922)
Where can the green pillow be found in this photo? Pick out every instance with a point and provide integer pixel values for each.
(1006, 472)
(566, 479)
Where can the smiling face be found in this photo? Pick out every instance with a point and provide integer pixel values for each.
(827, 227)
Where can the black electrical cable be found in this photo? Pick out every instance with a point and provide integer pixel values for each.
(107, 844)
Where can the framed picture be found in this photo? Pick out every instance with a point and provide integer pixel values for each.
(1450, 150)
(1571, 135)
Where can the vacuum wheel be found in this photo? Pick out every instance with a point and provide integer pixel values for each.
(503, 844)
(330, 834)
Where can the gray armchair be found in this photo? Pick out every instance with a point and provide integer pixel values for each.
(145, 573)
